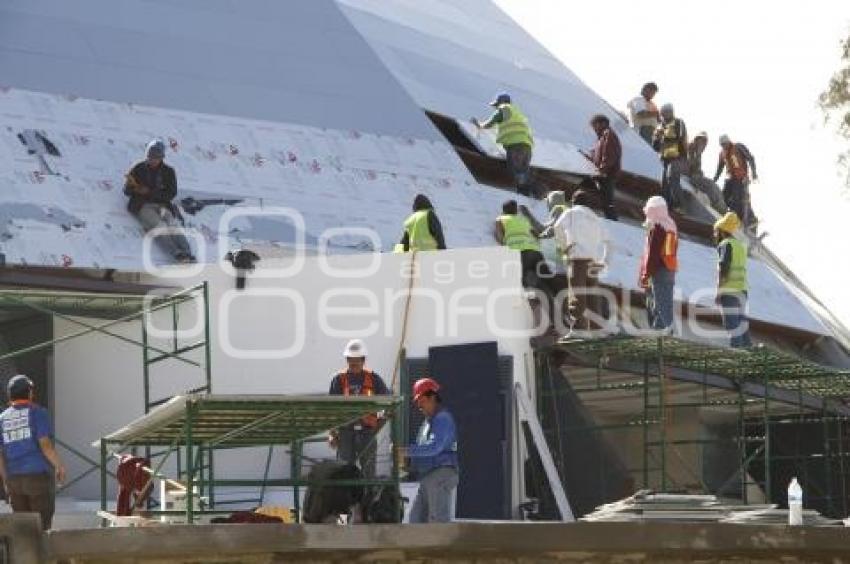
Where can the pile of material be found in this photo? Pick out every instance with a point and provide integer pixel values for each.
(647, 505)
(774, 516)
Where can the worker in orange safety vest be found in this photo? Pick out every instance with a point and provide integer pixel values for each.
(355, 443)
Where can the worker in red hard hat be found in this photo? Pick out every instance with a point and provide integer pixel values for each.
(433, 457)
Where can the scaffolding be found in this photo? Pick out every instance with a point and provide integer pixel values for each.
(761, 389)
(200, 424)
(111, 310)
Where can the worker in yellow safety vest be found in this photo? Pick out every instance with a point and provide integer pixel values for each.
(514, 134)
(671, 142)
(515, 230)
(732, 279)
(422, 228)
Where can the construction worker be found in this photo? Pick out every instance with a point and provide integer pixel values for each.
(356, 442)
(29, 462)
(671, 141)
(584, 243)
(152, 185)
(434, 457)
(644, 112)
(737, 160)
(659, 263)
(514, 134)
(607, 155)
(422, 228)
(696, 176)
(732, 280)
(515, 231)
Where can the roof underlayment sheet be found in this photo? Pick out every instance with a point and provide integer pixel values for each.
(454, 56)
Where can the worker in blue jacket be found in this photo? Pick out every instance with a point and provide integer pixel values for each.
(433, 457)
(28, 458)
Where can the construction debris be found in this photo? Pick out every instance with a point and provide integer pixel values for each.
(647, 505)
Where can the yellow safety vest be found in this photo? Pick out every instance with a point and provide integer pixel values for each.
(418, 234)
(736, 279)
(670, 140)
(518, 235)
(514, 131)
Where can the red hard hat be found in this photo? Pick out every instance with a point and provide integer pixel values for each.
(424, 385)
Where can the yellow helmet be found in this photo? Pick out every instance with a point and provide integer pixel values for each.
(728, 223)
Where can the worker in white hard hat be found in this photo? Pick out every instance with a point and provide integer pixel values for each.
(355, 443)
(697, 177)
(671, 142)
(738, 161)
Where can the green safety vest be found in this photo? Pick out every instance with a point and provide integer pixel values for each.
(736, 280)
(518, 235)
(514, 131)
(418, 233)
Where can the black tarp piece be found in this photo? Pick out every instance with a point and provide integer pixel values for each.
(476, 388)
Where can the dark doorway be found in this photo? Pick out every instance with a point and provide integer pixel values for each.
(477, 390)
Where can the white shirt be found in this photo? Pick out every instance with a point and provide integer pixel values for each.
(641, 104)
(582, 234)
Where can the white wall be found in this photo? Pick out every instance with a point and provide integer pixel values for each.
(460, 296)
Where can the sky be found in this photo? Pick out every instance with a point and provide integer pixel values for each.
(753, 70)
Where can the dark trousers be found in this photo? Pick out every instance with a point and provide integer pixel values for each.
(647, 132)
(671, 181)
(358, 447)
(605, 185)
(734, 194)
(537, 274)
(583, 283)
(32, 493)
(734, 314)
(518, 158)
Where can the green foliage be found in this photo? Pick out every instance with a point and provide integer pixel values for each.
(835, 103)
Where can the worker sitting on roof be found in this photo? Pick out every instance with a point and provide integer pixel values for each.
(659, 263)
(356, 442)
(644, 112)
(732, 280)
(584, 243)
(737, 160)
(671, 142)
(607, 155)
(514, 134)
(422, 228)
(698, 178)
(434, 457)
(151, 185)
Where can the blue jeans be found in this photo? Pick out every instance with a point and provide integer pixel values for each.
(659, 298)
(434, 501)
(734, 313)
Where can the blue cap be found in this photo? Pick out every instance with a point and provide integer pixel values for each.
(155, 149)
(501, 98)
(18, 386)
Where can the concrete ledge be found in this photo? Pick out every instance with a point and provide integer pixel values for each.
(22, 539)
(455, 542)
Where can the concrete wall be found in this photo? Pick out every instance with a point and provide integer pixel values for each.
(460, 296)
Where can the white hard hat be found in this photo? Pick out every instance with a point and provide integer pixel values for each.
(724, 139)
(355, 348)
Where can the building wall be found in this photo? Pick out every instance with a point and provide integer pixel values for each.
(460, 296)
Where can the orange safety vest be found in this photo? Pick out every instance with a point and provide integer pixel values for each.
(368, 389)
(736, 164)
(669, 251)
